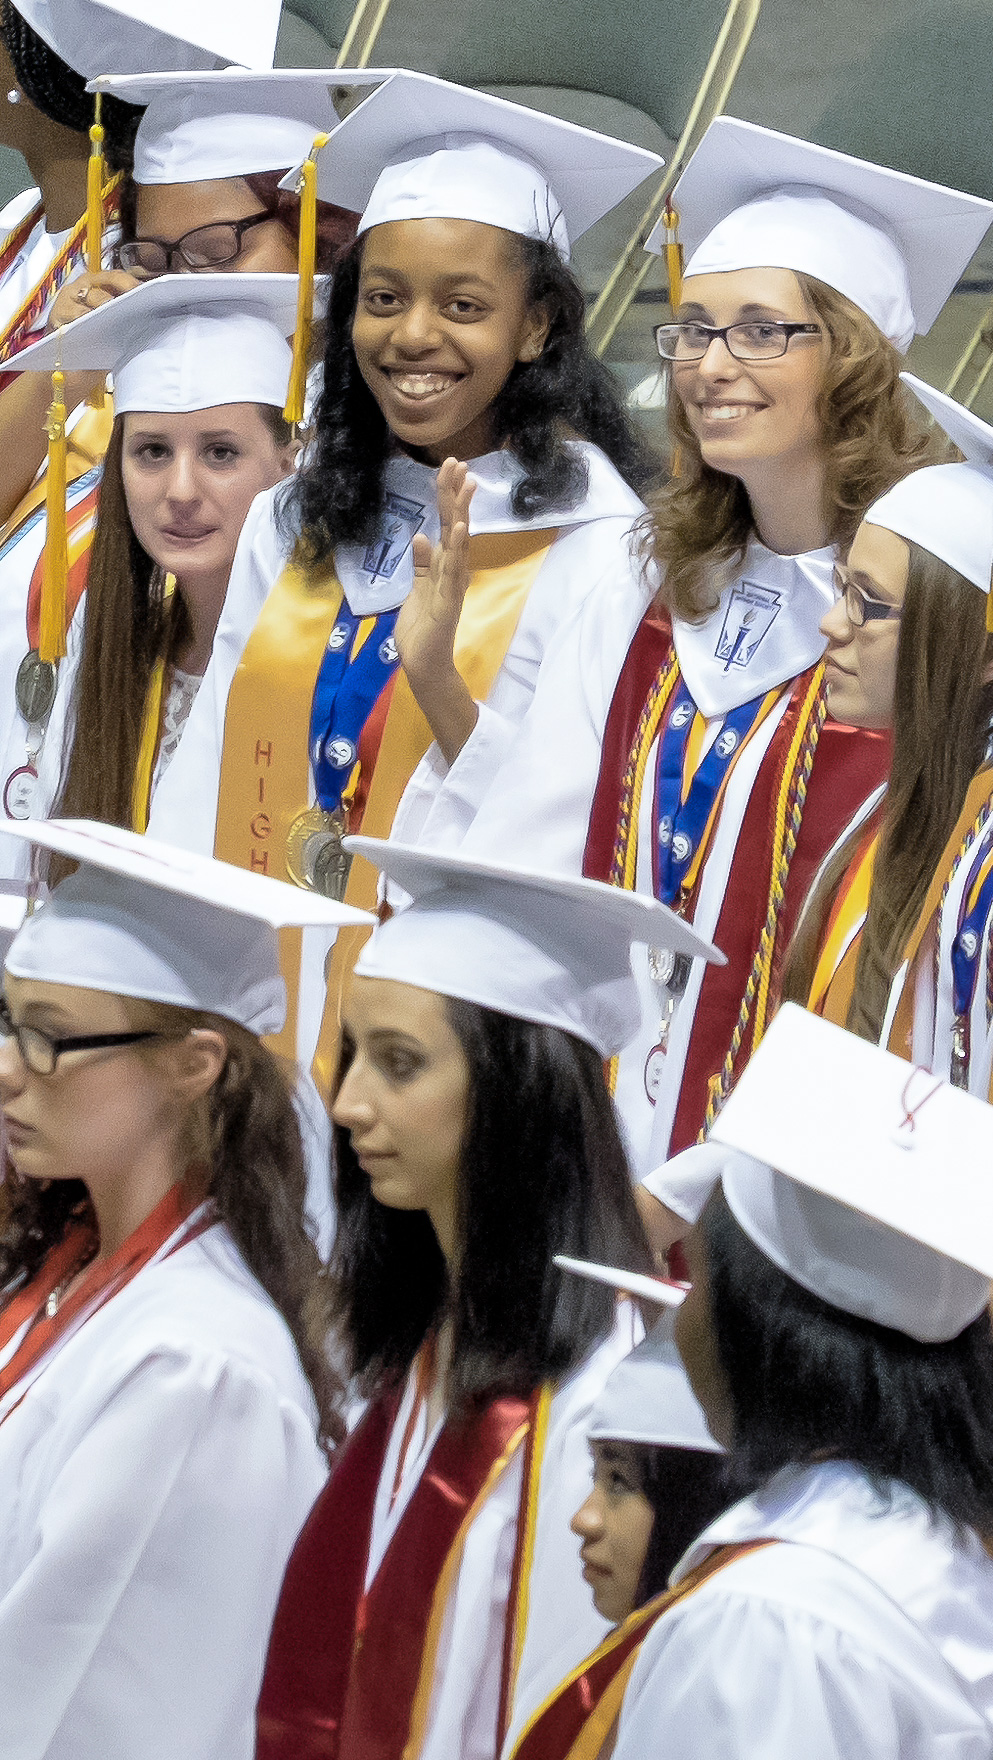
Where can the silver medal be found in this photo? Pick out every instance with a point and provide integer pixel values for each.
(34, 688)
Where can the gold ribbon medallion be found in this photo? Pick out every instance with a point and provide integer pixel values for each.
(315, 857)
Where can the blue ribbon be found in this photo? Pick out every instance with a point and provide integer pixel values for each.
(679, 826)
(346, 692)
(968, 943)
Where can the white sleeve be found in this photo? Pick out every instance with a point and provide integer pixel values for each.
(738, 1677)
(184, 808)
(530, 786)
(138, 1625)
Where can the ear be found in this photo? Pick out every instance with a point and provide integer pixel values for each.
(534, 334)
(288, 456)
(198, 1061)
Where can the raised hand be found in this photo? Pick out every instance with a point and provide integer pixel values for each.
(429, 616)
(86, 293)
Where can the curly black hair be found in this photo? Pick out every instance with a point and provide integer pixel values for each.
(565, 392)
(60, 94)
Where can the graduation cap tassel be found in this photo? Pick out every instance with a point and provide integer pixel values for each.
(55, 566)
(673, 255)
(306, 255)
(989, 614)
(94, 193)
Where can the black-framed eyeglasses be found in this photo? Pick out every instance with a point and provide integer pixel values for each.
(206, 247)
(763, 339)
(41, 1052)
(859, 607)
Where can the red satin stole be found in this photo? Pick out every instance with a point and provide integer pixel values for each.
(848, 765)
(344, 1665)
(103, 1280)
(558, 1724)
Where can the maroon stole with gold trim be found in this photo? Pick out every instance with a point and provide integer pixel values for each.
(847, 766)
(344, 1666)
(556, 1727)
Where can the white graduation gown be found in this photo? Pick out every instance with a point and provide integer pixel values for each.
(867, 1635)
(530, 790)
(152, 1482)
(562, 1623)
(592, 553)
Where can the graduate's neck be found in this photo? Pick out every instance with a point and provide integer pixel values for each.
(788, 503)
(59, 170)
(123, 1198)
(203, 601)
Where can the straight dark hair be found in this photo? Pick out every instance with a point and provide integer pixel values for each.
(543, 1172)
(565, 393)
(809, 1383)
(942, 709)
(687, 1488)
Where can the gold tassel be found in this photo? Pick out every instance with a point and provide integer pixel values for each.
(55, 568)
(989, 614)
(306, 254)
(673, 255)
(94, 194)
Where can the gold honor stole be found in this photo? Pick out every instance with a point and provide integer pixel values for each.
(351, 1671)
(580, 1717)
(265, 761)
(86, 447)
(834, 976)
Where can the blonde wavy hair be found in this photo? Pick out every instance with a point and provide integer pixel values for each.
(700, 521)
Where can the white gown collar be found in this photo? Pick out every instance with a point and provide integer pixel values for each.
(764, 631)
(942, 1582)
(377, 577)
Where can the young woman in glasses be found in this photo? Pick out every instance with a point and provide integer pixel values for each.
(686, 752)
(166, 1402)
(894, 942)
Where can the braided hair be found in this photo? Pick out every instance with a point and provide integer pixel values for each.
(60, 94)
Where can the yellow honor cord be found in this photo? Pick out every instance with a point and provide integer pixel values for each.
(306, 255)
(673, 256)
(94, 194)
(55, 568)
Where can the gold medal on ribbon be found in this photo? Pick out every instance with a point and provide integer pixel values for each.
(315, 856)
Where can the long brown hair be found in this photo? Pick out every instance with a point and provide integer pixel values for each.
(130, 624)
(246, 1132)
(700, 521)
(942, 709)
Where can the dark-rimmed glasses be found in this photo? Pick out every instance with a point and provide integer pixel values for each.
(761, 340)
(860, 608)
(41, 1052)
(206, 247)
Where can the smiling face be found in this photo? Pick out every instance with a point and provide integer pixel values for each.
(441, 320)
(746, 414)
(615, 1525)
(404, 1099)
(861, 660)
(189, 481)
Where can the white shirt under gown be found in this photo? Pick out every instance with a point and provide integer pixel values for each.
(866, 1635)
(153, 1480)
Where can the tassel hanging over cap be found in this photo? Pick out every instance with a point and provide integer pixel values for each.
(673, 255)
(55, 565)
(94, 193)
(306, 255)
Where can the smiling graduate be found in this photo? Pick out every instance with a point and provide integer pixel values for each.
(454, 332)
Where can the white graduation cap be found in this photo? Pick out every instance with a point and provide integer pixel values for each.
(647, 1398)
(141, 918)
(230, 123)
(421, 148)
(947, 508)
(867, 1180)
(542, 947)
(894, 245)
(172, 36)
(183, 342)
